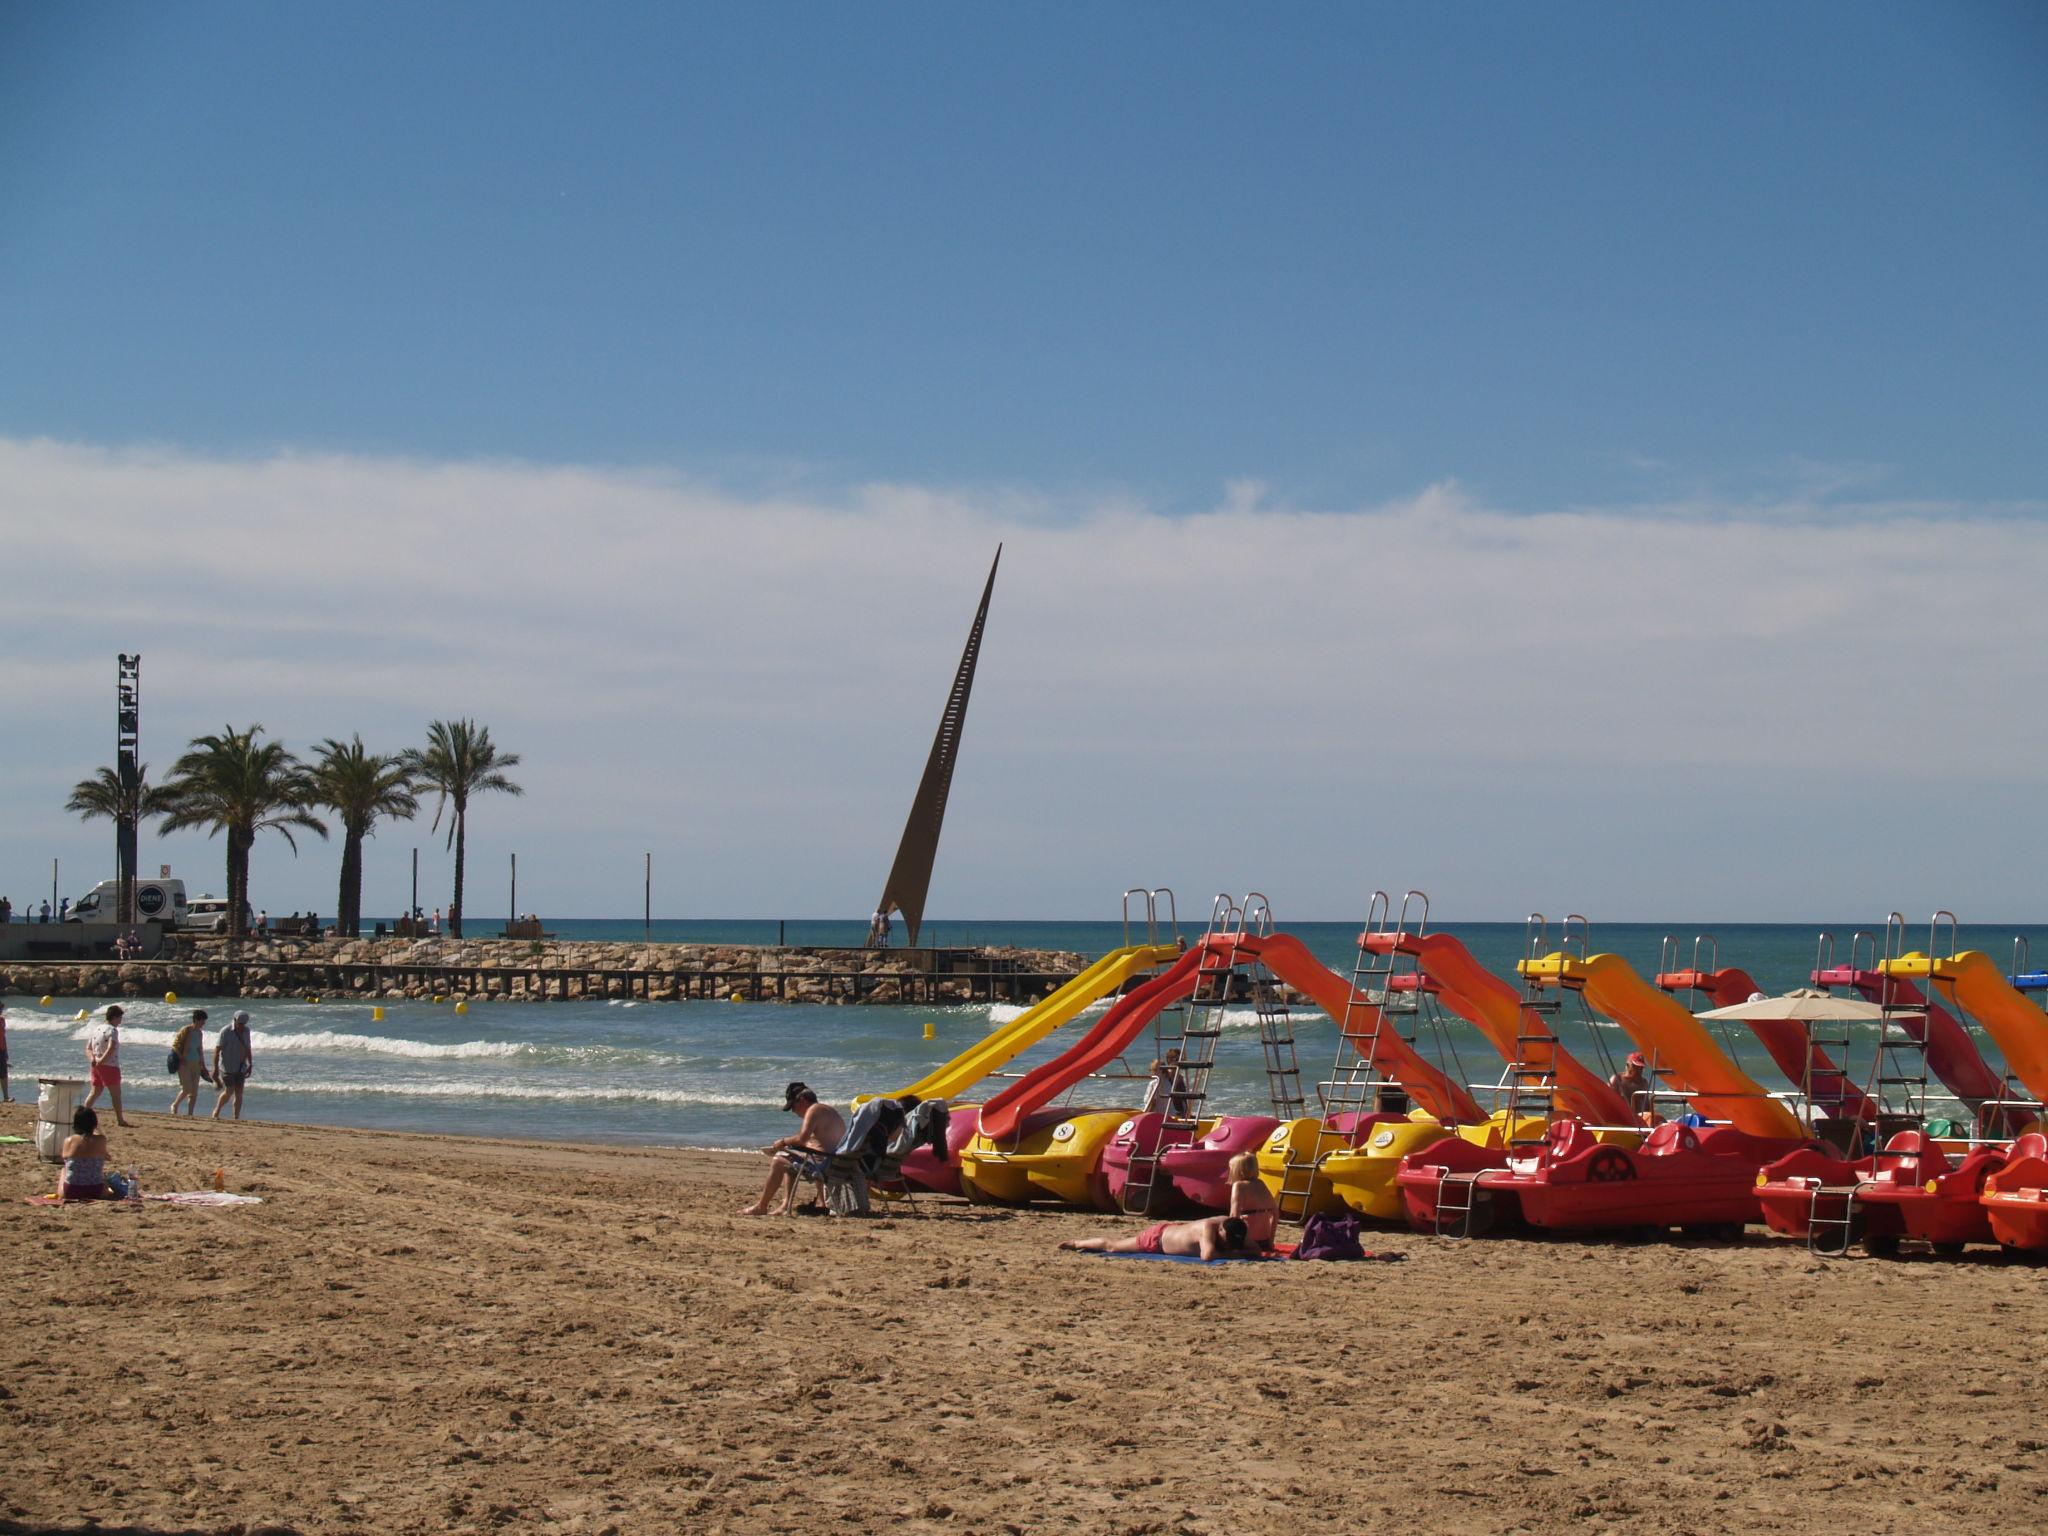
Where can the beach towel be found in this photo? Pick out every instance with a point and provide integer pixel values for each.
(53, 1200)
(204, 1197)
(1190, 1258)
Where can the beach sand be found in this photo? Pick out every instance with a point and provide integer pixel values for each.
(434, 1334)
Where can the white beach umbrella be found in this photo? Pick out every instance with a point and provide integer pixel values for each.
(1802, 1004)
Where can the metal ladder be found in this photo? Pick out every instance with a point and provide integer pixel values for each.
(1155, 926)
(1276, 1023)
(1531, 1085)
(1899, 1059)
(1191, 1038)
(1355, 1080)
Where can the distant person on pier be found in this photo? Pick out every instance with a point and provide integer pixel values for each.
(188, 1049)
(803, 1155)
(234, 1058)
(46, 911)
(435, 926)
(103, 1061)
(263, 920)
(6, 910)
(63, 909)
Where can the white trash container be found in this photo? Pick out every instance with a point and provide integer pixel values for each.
(56, 1101)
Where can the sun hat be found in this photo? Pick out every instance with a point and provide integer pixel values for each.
(241, 1016)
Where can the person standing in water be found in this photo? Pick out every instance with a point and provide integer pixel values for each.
(234, 1058)
(103, 1062)
(188, 1045)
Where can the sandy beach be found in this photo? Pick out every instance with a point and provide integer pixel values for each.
(419, 1333)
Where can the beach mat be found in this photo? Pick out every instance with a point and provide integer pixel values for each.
(53, 1200)
(1190, 1258)
(204, 1197)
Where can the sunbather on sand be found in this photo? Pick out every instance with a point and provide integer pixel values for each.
(804, 1155)
(1251, 1202)
(1209, 1238)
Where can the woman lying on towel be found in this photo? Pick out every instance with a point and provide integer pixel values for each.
(85, 1160)
(1210, 1238)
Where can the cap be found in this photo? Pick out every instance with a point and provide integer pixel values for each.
(792, 1093)
(1638, 1059)
(241, 1016)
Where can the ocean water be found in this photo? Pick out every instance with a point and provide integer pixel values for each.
(711, 1074)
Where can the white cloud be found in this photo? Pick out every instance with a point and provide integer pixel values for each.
(1315, 701)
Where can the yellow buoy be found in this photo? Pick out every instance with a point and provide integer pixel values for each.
(376, 1015)
(931, 1030)
(81, 1014)
(46, 999)
(735, 997)
(171, 998)
(462, 1007)
(438, 998)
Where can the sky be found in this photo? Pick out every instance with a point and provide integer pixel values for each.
(1580, 457)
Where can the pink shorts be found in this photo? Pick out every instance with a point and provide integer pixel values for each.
(104, 1076)
(1150, 1240)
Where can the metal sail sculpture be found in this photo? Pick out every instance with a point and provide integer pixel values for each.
(911, 875)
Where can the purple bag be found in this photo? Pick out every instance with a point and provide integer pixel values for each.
(1329, 1237)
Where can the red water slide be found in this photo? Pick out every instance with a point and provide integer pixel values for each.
(1803, 1063)
(1950, 1051)
(1287, 958)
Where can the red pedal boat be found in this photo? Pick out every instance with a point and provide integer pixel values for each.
(1703, 1180)
(1937, 1201)
(2015, 1198)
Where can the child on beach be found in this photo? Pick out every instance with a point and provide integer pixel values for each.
(1251, 1202)
(84, 1176)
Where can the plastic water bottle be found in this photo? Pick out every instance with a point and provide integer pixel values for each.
(134, 1183)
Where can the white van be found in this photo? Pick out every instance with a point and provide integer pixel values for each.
(209, 914)
(156, 901)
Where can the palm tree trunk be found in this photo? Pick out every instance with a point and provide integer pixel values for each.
(455, 908)
(238, 884)
(349, 904)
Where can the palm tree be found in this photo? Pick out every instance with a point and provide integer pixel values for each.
(108, 793)
(125, 797)
(460, 761)
(235, 784)
(359, 787)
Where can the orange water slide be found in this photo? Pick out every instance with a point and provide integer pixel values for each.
(2012, 1019)
(1677, 1042)
(1494, 1008)
(1289, 959)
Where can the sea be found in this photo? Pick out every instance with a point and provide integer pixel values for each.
(711, 1074)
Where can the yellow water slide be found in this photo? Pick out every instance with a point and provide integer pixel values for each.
(1975, 984)
(1676, 1041)
(998, 1048)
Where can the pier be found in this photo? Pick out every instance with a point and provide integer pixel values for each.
(522, 971)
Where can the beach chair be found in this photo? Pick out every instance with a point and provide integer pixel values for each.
(881, 1135)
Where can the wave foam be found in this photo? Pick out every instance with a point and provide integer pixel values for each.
(452, 1089)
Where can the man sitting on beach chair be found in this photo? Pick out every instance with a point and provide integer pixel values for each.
(804, 1155)
(883, 1133)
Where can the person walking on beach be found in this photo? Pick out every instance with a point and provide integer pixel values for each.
(234, 1058)
(803, 1155)
(6, 1094)
(188, 1049)
(103, 1062)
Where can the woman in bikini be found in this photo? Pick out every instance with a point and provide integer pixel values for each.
(85, 1160)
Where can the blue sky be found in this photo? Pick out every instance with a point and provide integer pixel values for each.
(953, 274)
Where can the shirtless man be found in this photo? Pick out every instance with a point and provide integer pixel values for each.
(803, 1155)
(1209, 1238)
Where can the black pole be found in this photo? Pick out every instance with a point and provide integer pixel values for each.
(409, 911)
(647, 902)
